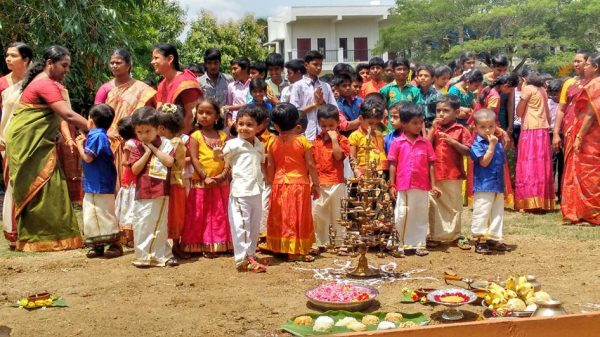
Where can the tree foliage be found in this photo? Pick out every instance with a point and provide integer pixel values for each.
(234, 38)
(545, 31)
(90, 29)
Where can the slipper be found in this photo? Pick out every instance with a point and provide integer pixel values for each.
(300, 258)
(498, 246)
(114, 250)
(421, 252)
(248, 266)
(432, 244)
(95, 252)
(172, 262)
(463, 243)
(210, 255)
(316, 251)
(398, 254)
(482, 248)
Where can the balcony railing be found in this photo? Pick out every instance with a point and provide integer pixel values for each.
(340, 55)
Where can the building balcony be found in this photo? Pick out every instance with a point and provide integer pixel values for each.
(335, 56)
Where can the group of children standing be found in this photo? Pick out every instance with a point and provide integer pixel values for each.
(274, 159)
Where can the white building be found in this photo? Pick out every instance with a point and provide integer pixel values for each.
(341, 33)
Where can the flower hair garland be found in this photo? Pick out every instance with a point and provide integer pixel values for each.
(169, 108)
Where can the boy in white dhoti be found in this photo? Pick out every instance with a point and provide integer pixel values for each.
(488, 184)
(100, 226)
(330, 149)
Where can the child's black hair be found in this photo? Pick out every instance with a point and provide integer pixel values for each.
(328, 111)
(376, 62)
(546, 77)
(171, 120)
(343, 68)
(220, 123)
(400, 61)
(440, 70)
(387, 64)
(473, 76)
(145, 116)
(296, 65)
(466, 56)
(102, 115)
(452, 100)
(212, 54)
(511, 79)
(313, 55)
(327, 78)
(274, 60)
(258, 113)
(427, 68)
(410, 111)
(372, 109)
(285, 116)
(196, 68)
(125, 128)
(362, 66)
(242, 62)
(399, 106)
(259, 66)
(534, 78)
(303, 122)
(258, 83)
(499, 60)
(339, 79)
(555, 86)
(375, 97)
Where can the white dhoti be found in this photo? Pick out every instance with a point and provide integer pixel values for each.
(245, 214)
(488, 215)
(8, 211)
(150, 232)
(266, 205)
(411, 217)
(124, 207)
(100, 224)
(445, 212)
(326, 212)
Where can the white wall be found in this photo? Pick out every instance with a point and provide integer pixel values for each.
(359, 27)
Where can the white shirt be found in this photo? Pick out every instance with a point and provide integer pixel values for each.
(303, 94)
(285, 94)
(245, 161)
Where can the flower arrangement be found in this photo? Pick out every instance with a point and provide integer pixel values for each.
(340, 293)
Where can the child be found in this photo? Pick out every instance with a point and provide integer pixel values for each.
(258, 70)
(170, 124)
(100, 225)
(310, 92)
(371, 114)
(450, 141)
(375, 75)
(357, 83)
(488, 205)
(348, 103)
(206, 228)
(441, 77)
(491, 96)
(126, 195)
(411, 160)
(258, 90)
(290, 163)
(428, 96)
(276, 83)
(237, 91)
(150, 162)
(329, 149)
(464, 90)
(294, 70)
(396, 124)
(362, 70)
(400, 89)
(554, 89)
(245, 156)
(388, 72)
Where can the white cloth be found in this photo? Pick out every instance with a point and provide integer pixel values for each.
(125, 207)
(245, 214)
(411, 217)
(11, 97)
(326, 212)
(245, 160)
(445, 212)
(303, 94)
(156, 168)
(285, 94)
(348, 174)
(488, 215)
(7, 210)
(99, 221)
(150, 232)
(266, 203)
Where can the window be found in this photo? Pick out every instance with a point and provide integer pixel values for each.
(321, 45)
(344, 46)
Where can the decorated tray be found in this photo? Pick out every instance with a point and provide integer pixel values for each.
(451, 297)
(340, 296)
(337, 321)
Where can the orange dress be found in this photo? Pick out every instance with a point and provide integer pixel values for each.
(290, 225)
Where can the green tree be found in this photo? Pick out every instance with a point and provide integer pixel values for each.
(234, 38)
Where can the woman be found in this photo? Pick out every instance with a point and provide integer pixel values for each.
(45, 217)
(469, 84)
(581, 182)
(534, 178)
(18, 58)
(178, 87)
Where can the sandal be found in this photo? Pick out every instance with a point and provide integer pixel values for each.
(498, 246)
(316, 251)
(172, 262)
(250, 267)
(421, 252)
(463, 243)
(482, 248)
(253, 260)
(95, 252)
(300, 258)
(398, 254)
(432, 244)
(210, 255)
(114, 250)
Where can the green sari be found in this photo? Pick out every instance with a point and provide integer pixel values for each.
(45, 218)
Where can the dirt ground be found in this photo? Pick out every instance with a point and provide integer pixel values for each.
(205, 297)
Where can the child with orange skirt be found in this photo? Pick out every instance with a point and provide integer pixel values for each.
(170, 120)
(206, 227)
(290, 163)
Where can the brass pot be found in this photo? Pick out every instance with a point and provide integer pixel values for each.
(549, 308)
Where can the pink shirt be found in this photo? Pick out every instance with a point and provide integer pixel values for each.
(412, 163)
(237, 94)
(102, 93)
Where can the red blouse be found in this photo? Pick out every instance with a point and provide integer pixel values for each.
(43, 91)
(449, 162)
(147, 187)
